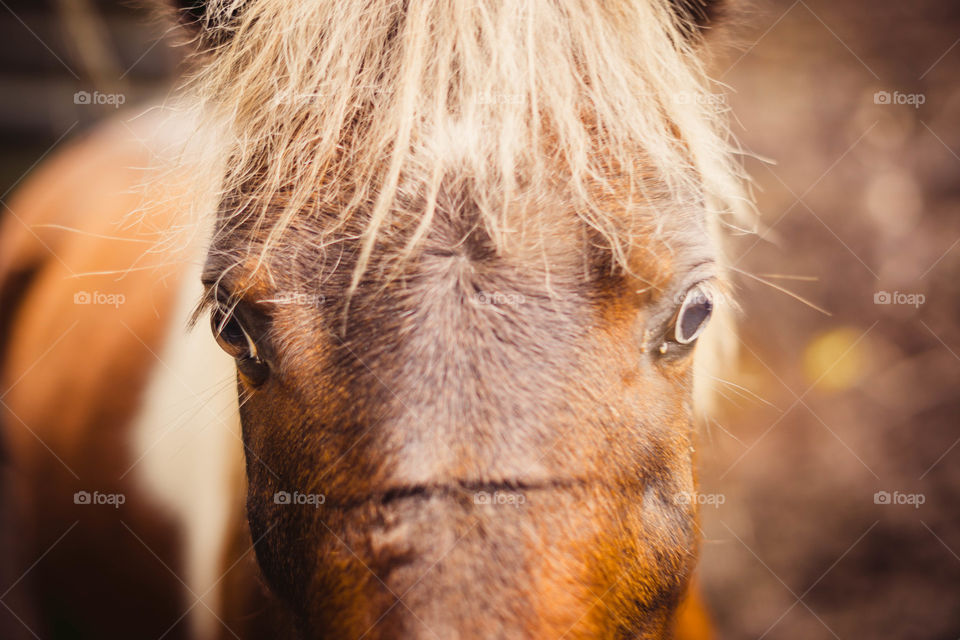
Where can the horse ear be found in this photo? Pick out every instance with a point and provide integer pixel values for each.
(697, 16)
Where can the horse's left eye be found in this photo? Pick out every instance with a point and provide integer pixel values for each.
(694, 314)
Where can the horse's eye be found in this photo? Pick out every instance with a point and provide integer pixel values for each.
(229, 333)
(694, 314)
(236, 341)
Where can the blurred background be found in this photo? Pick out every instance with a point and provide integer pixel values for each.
(58, 57)
(837, 458)
(831, 472)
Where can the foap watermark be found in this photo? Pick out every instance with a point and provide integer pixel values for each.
(96, 498)
(511, 498)
(97, 98)
(499, 98)
(297, 498)
(913, 499)
(301, 98)
(898, 97)
(701, 295)
(99, 298)
(693, 497)
(297, 299)
(498, 299)
(716, 101)
(899, 297)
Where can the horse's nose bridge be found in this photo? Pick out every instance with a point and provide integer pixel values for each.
(483, 389)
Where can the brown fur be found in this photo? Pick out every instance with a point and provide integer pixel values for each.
(593, 433)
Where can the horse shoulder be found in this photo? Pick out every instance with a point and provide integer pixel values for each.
(106, 391)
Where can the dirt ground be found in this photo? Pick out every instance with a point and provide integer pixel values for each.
(859, 215)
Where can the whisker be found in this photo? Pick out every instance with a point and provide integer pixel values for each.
(720, 426)
(91, 234)
(745, 392)
(773, 285)
(783, 276)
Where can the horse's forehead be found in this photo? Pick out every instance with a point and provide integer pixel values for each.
(653, 234)
(308, 257)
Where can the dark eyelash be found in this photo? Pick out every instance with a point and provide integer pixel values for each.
(207, 301)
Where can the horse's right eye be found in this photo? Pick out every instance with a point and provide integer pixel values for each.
(229, 333)
(236, 341)
(694, 314)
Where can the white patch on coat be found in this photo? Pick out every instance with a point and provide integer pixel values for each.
(186, 441)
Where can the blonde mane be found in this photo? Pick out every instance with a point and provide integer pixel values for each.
(343, 108)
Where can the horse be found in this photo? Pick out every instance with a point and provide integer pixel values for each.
(455, 261)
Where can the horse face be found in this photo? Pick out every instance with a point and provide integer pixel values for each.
(479, 442)
(465, 429)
